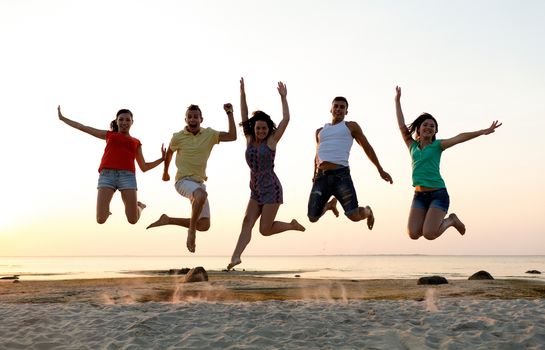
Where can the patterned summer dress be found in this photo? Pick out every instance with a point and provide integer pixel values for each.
(264, 184)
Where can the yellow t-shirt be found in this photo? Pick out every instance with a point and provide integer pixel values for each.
(192, 152)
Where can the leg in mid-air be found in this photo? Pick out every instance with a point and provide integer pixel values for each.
(104, 197)
(253, 211)
(268, 226)
(133, 208)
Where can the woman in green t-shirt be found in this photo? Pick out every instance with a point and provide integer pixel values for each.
(431, 200)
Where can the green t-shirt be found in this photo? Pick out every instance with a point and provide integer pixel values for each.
(192, 152)
(426, 163)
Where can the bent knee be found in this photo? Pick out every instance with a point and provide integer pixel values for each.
(203, 225)
(430, 235)
(200, 194)
(414, 235)
(354, 217)
(101, 219)
(132, 221)
(313, 218)
(265, 232)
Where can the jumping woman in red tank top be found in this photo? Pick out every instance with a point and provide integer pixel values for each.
(117, 170)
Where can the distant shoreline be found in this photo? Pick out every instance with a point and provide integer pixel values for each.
(329, 267)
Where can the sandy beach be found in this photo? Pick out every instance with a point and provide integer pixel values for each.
(236, 310)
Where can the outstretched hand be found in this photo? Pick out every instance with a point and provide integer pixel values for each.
(163, 151)
(495, 124)
(398, 93)
(385, 176)
(282, 89)
(228, 108)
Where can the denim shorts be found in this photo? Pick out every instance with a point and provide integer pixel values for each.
(431, 199)
(186, 187)
(117, 179)
(334, 182)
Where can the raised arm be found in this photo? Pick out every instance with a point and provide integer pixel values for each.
(283, 91)
(466, 136)
(243, 104)
(101, 134)
(231, 135)
(401, 120)
(360, 138)
(144, 166)
(168, 158)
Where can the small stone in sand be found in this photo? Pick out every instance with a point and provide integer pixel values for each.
(196, 274)
(432, 280)
(481, 275)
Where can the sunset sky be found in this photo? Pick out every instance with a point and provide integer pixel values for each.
(465, 62)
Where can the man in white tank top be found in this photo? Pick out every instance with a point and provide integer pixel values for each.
(331, 172)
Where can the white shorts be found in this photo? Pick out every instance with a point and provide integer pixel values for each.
(186, 187)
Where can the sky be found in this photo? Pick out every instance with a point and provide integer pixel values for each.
(465, 62)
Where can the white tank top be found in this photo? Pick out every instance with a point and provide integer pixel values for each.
(335, 144)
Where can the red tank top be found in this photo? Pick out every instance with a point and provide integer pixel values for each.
(120, 152)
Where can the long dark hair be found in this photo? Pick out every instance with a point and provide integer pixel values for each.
(415, 126)
(248, 126)
(113, 123)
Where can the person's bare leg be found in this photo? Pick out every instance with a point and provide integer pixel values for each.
(436, 223)
(363, 213)
(457, 223)
(104, 197)
(133, 208)
(203, 224)
(163, 220)
(253, 210)
(332, 205)
(268, 226)
(416, 222)
(198, 198)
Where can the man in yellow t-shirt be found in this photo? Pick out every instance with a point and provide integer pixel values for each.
(193, 145)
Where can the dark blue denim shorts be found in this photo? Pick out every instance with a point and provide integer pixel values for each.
(432, 199)
(117, 179)
(334, 182)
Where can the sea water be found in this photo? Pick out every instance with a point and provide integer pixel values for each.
(318, 266)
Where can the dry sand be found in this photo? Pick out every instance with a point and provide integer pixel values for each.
(235, 310)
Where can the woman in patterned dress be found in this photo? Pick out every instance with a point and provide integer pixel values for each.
(262, 135)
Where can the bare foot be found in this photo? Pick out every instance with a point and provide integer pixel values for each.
(370, 217)
(163, 220)
(297, 226)
(458, 225)
(332, 205)
(190, 243)
(233, 263)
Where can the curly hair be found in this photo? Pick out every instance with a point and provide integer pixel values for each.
(248, 126)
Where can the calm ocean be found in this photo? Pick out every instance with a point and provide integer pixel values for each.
(324, 266)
